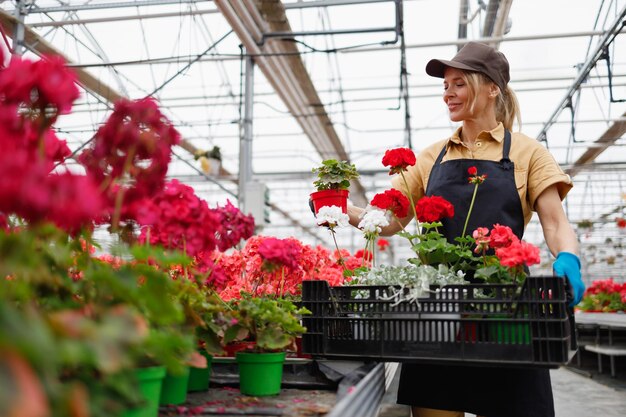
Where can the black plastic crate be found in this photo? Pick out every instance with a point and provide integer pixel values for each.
(470, 324)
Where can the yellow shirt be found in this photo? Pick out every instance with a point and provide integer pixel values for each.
(535, 167)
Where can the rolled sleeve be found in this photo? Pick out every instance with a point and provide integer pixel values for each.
(545, 172)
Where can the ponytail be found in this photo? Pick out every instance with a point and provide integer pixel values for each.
(507, 109)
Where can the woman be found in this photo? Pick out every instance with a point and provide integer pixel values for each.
(522, 176)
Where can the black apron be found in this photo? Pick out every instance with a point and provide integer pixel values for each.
(487, 391)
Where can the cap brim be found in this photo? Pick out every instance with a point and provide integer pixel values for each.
(437, 67)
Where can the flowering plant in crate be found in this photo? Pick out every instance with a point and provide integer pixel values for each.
(495, 255)
(605, 296)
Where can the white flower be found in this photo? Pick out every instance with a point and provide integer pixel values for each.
(332, 216)
(373, 220)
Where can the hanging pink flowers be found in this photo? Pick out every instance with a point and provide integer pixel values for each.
(129, 155)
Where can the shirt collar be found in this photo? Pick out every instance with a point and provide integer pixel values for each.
(496, 134)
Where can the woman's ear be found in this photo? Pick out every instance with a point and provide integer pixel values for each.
(494, 90)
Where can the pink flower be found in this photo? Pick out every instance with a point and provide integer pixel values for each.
(232, 226)
(480, 235)
(279, 252)
(131, 152)
(180, 220)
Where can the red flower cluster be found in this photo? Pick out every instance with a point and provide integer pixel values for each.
(392, 200)
(621, 223)
(518, 253)
(130, 153)
(245, 269)
(511, 251)
(398, 159)
(383, 244)
(605, 295)
(232, 227)
(278, 253)
(501, 236)
(608, 286)
(364, 254)
(474, 177)
(433, 209)
(177, 219)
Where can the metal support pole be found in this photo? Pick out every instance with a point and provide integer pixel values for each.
(20, 14)
(245, 142)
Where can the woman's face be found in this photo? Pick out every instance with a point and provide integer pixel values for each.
(459, 98)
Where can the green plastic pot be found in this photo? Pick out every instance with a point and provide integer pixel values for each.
(199, 377)
(174, 390)
(150, 381)
(509, 333)
(260, 374)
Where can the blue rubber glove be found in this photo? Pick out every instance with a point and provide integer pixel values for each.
(568, 265)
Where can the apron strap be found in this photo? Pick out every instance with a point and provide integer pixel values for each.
(505, 162)
(441, 154)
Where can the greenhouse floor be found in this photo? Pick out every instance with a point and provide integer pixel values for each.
(578, 392)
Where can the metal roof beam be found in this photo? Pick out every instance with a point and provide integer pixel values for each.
(287, 74)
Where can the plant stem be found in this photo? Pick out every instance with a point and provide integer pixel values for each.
(282, 280)
(406, 184)
(469, 212)
(340, 261)
(119, 198)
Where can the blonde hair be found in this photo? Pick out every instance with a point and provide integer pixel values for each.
(507, 106)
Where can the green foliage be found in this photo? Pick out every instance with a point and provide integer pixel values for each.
(603, 301)
(272, 323)
(335, 175)
(72, 327)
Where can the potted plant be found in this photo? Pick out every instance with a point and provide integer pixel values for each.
(210, 161)
(272, 324)
(333, 181)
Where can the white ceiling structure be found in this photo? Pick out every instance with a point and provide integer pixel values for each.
(345, 79)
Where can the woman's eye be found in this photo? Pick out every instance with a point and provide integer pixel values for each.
(460, 85)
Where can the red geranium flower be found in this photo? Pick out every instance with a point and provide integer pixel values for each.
(434, 208)
(501, 236)
(621, 223)
(518, 253)
(363, 254)
(398, 159)
(392, 200)
(474, 177)
(383, 244)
